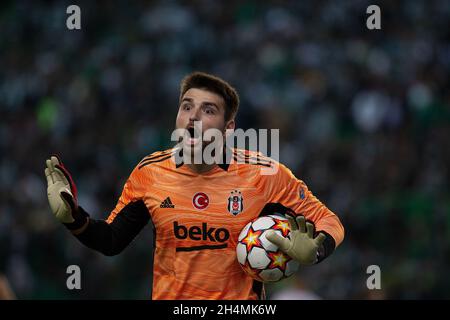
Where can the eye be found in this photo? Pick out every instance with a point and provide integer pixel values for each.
(209, 110)
(186, 106)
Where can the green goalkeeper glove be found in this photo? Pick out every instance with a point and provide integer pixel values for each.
(62, 195)
(301, 245)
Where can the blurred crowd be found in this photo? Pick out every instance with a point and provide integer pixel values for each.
(364, 118)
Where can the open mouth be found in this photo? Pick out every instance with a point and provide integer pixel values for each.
(191, 132)
(193, 136)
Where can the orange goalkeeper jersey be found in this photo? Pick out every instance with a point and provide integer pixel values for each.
(196, 224)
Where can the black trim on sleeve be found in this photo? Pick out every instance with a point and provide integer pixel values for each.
(80, 216)
(327, 247)
(111, 239)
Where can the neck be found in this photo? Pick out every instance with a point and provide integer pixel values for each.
(201, 168)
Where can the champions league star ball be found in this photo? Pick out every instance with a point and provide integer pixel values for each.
(260, 258)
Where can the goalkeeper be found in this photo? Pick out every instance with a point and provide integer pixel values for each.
(196, 211)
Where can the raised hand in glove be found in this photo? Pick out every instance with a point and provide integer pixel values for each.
(62, 195)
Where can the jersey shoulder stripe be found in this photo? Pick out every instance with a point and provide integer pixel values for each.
(158, 156)
(252, 157)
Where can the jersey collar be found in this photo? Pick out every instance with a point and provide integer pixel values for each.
(224, 165)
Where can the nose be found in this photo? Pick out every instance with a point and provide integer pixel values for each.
(195, 114)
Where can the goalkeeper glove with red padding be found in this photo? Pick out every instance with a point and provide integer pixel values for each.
(62, 195)
(301, 245)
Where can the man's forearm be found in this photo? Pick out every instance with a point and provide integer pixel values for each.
(81, 230)
(111, 238)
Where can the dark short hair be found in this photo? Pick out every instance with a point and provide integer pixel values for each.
(201, 80)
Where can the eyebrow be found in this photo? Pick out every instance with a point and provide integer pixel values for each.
(187, 99)
(203, 103)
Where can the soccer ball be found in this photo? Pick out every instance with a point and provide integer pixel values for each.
(261, 259)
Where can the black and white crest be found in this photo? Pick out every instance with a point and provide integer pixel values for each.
(235, 202)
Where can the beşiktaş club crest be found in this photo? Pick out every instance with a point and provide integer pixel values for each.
(235, 202)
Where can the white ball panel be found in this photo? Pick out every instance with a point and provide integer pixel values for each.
(244, 231)
(241, 252)
(258, 258)
(263, 223)
(271, 274)
(291, 268)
